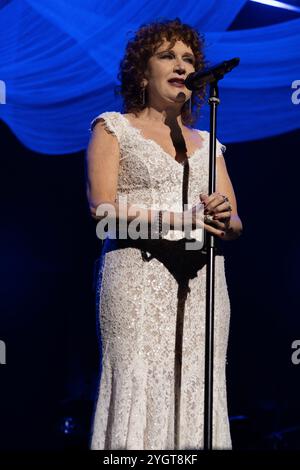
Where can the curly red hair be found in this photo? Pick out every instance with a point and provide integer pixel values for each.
(146, 41)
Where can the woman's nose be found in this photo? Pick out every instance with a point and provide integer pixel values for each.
(179, 70)
(179, 67)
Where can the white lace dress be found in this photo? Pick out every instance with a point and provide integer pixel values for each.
(151, 313)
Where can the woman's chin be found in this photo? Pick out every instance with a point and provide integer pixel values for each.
(179, 98)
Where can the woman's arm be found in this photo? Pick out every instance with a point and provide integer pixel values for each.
(224, 186)
(229, 221)
(103, 155)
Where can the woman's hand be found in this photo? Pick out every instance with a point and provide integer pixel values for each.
(217, 211)
(195, 218)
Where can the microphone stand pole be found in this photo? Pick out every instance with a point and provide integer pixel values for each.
(213, 101)
(211, 76)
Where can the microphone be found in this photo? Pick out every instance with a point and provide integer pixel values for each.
(196, 80)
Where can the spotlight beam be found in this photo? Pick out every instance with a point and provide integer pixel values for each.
(274, 3)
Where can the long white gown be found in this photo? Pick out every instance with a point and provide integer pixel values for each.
(151, 313)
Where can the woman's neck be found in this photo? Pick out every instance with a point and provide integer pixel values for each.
(165, 116)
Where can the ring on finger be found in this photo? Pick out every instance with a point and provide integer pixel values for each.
(225, 199)
(208, 219)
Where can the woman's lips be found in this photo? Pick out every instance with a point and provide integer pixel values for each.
(177, 84)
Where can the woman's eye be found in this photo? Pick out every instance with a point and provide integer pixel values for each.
(171, 56)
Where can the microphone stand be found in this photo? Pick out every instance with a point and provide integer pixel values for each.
(194, 81)
(213, 101)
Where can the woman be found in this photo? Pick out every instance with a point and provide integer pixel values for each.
(151, 291)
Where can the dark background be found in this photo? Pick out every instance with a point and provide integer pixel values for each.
(49, 252)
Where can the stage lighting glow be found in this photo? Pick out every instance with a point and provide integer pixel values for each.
(60, 71)
(274, 3)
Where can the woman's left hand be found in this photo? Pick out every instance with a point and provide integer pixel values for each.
(218, 209)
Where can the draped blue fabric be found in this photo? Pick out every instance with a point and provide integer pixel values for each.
(60, 58)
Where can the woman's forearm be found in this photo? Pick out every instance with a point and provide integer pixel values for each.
(124, 214)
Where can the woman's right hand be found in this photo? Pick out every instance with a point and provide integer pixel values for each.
(195, 217)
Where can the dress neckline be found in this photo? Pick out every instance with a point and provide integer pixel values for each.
(158, 146)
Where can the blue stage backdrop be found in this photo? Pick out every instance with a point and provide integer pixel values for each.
(59, 61)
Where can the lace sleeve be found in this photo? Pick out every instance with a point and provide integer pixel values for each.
(110, 123)
(220, 150)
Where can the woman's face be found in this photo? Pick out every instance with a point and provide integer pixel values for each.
(164, 68)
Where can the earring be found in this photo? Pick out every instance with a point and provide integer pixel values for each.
(143, 96)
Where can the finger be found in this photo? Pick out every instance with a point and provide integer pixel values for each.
(221, 208)
(214, 231)
(213, 201)
(222, 215)
(207, 198)
(203, 196)
(218, 224)
(224, 203)
(210, 228)
(203, 199)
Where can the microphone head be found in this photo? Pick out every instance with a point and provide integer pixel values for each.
(231, 63)
(189, 81)
(196, 80)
